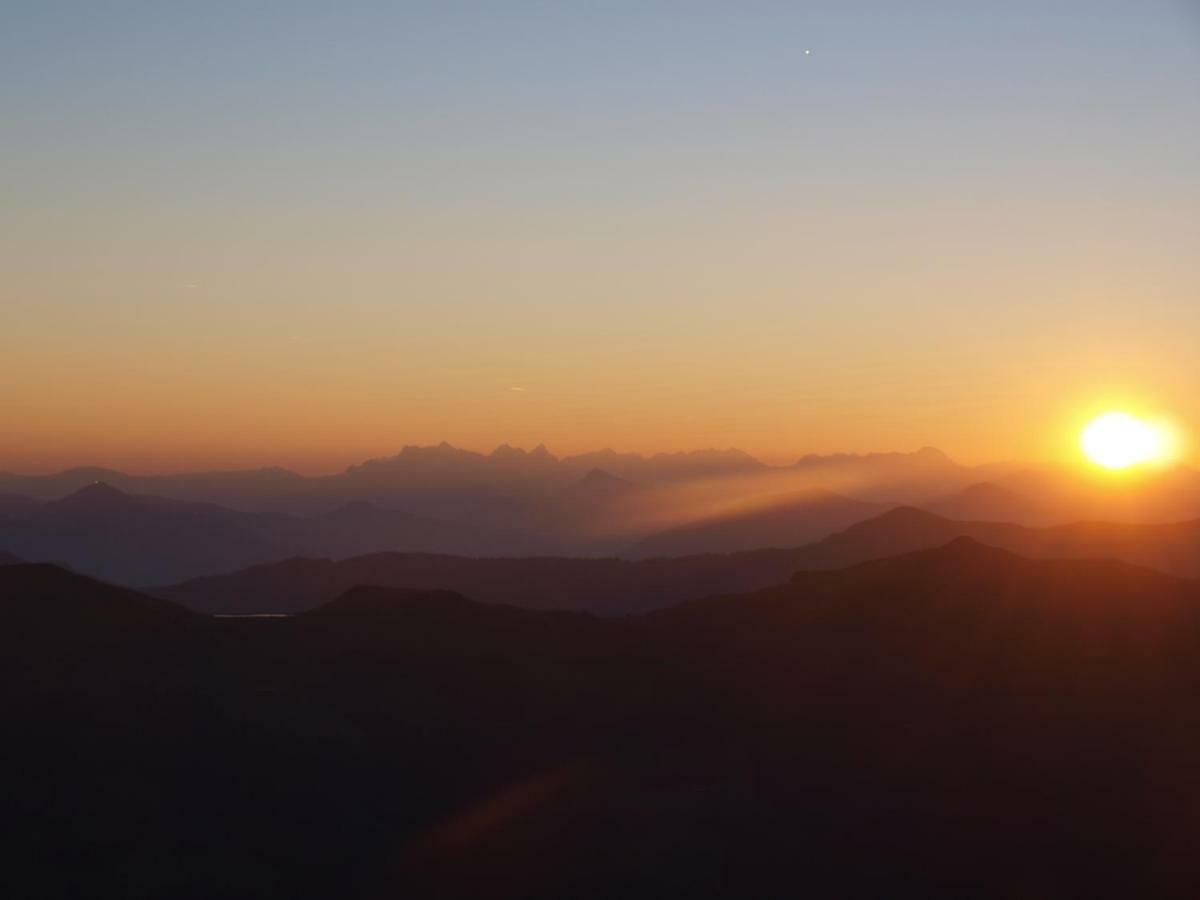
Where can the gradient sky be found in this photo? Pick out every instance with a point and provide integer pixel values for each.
(235, 234)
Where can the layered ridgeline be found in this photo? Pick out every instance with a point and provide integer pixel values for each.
(433, 479)
(510, 503)
(146, 530)
(620, 587)
(970, 722)
(140, 540)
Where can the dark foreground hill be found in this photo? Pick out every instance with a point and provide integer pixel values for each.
(957, 722)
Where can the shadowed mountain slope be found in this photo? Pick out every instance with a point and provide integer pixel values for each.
(47, 609)
(954, 722)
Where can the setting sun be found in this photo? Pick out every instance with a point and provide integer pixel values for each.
(1118, 440)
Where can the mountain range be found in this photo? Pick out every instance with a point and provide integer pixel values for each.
(447, 481)
(620, 587)
(139, 540)
(156, 530)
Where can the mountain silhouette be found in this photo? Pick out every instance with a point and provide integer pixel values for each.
(449, 483)
(1172, 548)
(958, 721)
(604, 586)
(136, 540)
(620, 587)
(47, 605)
(8, 559)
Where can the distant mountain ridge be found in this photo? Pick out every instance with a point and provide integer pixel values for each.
(140, 540)
(444, 499)
(435, 470)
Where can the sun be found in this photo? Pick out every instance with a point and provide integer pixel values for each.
(1118, 440)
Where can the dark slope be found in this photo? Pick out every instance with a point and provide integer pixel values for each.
(955, 722)
(606, 586)
(46, 599)
(1173, 548)
(57, 625)
(8, 559)
(790, 520)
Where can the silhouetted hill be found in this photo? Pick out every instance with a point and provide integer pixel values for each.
(957, 722)
(44, 604)
(7, 559)
(1173, 548)
(790, 520)
(605, 586)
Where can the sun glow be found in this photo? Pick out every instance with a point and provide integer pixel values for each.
(1118, 440)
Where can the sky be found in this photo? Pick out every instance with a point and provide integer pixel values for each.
(305, 234)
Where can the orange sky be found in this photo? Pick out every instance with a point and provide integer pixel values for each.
(623, 229)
